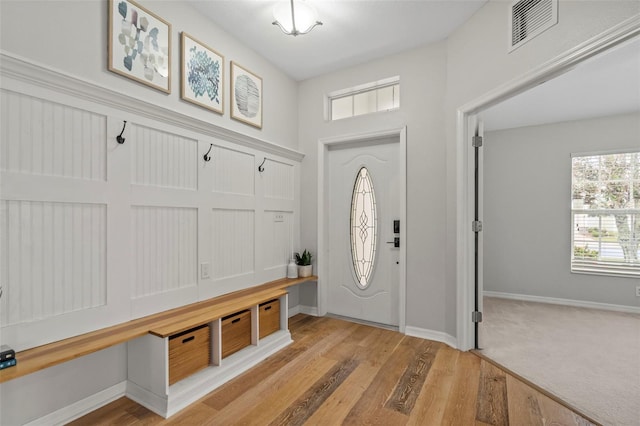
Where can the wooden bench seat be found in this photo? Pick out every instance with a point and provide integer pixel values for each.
(210, 311)
(162, 324)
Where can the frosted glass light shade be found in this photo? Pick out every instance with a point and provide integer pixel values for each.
(305, 17)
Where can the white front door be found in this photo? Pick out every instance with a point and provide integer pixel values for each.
(374, 297)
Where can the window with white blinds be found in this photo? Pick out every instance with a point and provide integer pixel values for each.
(605, 213)
(368, 98)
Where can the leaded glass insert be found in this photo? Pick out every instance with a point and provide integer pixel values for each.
(364, 227)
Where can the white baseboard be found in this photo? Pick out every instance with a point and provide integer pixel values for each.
(293, 311)
(82, 407)
(309, 310)
(188, 390)
(566, 302)
(229, 369)
(146, 398)
(438, 336)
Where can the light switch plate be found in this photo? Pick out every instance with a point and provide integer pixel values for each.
(278, 217)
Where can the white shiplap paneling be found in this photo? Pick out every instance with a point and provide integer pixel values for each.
(278, 237)
(40, 137)
(233, 243)
(233, 171)
(164, 249)
(278, 180)
(53, 259)
(162, 159)
(58, 151)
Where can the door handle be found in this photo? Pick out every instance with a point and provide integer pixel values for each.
(395, 242)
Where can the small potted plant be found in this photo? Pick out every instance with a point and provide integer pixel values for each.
(305, 268)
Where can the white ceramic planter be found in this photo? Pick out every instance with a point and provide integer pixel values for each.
(305, 271)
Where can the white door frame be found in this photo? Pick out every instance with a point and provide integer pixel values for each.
(622, 32)
(323, 204)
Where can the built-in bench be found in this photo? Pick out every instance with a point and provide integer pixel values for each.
(148, 349)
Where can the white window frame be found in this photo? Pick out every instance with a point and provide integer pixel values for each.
(351, 92)
(600, 267)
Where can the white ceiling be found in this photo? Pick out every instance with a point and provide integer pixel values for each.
(608, 84)
(353, 31)
(357, 31)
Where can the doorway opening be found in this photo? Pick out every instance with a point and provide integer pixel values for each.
(516, 315)
(467, 119)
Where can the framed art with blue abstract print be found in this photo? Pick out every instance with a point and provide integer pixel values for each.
(246, 96)
(202, 81)
(139, 44)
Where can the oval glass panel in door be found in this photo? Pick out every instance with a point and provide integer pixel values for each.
(364, 227)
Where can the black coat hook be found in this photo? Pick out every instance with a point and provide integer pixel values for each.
(260, 168)
(119, 138)
(207, 157)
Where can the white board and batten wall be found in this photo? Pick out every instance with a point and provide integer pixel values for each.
(114, 199)
(94, 233)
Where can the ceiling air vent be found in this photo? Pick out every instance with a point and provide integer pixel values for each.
(530, 18)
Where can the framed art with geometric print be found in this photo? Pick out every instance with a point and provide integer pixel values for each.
(139, 44)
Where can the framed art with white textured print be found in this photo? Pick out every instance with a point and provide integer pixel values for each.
(246, 96)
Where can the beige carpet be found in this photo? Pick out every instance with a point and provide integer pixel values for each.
(590, 358)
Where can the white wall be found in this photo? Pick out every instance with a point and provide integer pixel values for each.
(478, 62)
(122, 246)
(71, 36)
(422, 82)
(527, 220)
(60, 386)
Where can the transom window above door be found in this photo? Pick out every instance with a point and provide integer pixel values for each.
(383, 95)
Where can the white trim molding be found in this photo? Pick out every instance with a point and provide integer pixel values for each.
(437, 336)
(295, 310)
(308, 310)
(564, 302)
(196, 386)
(303, 309)
(610, 38)
(26, 71)
(82, 407)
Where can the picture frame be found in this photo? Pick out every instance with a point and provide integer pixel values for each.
(246, 96)
(202, 74)
(139, 45)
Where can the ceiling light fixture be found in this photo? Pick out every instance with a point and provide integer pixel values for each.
(295, 21)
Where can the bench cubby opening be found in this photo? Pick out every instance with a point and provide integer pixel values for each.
(236, 343)
(236, 332)
(189, 352)
(269, 317)
(149, 381)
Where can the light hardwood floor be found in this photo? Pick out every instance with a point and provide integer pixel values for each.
(338, 372)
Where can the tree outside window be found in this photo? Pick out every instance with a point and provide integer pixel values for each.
(606, 213)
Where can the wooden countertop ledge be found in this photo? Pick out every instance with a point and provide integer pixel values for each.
(162, 324)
